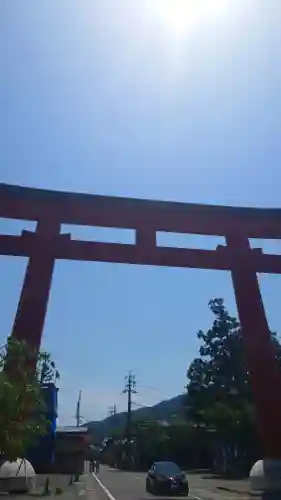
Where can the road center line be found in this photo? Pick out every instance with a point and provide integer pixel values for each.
(106, 491)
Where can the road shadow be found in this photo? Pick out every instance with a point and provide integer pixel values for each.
(235, 475)
(225, 477)
(115, 470)
(149, 497)
(199, 471)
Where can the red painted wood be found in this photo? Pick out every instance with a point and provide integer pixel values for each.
(65, 248)
(43, 247)
(70, 208)
(32, 307)
(261, 357)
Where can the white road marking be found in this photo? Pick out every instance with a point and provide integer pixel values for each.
(111, 497)
(107, 492)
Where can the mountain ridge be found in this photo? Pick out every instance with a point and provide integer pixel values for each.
(164, 411)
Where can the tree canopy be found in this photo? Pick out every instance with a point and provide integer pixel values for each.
(22, 418)
(219, 393)
(46, 369)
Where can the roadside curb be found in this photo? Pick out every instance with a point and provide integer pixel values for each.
(81, 488)
(253, 494)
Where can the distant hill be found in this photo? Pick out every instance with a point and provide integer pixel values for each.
(163, 411)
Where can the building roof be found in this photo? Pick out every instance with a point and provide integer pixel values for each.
(73, 430)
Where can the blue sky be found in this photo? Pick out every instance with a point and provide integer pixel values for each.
(104, 97)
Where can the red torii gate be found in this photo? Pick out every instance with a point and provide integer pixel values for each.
(50, 209)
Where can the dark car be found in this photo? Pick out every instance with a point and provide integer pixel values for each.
(167, 478)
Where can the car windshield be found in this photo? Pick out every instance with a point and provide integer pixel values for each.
(167, 468)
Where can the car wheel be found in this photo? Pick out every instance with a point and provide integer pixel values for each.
(150, 488)
(147, 486)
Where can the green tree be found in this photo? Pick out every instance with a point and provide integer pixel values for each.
(22, 418)
(218, 391)
(151, 442)
(218, 379)
(46, 369)
(220, 372)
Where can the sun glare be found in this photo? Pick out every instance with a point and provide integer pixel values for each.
(181, 16)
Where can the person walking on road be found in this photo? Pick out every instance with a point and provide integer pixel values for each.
(97, 466)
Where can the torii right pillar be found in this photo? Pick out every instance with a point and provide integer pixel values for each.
(265, 374)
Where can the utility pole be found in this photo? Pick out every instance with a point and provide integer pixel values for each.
(112, 410)
(130, 389)
(78, 416)
(78, 421)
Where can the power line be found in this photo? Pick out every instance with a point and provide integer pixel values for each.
(154, 389)
(139, 404)
(130, 389)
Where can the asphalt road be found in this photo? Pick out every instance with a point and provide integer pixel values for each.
(112, 484)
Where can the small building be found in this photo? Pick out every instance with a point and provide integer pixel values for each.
(71, 449)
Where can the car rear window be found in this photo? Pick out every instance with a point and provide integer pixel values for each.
(167, 468)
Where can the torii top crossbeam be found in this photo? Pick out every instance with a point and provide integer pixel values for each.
(96, 210)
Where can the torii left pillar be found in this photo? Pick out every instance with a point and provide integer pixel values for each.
(32, 307)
